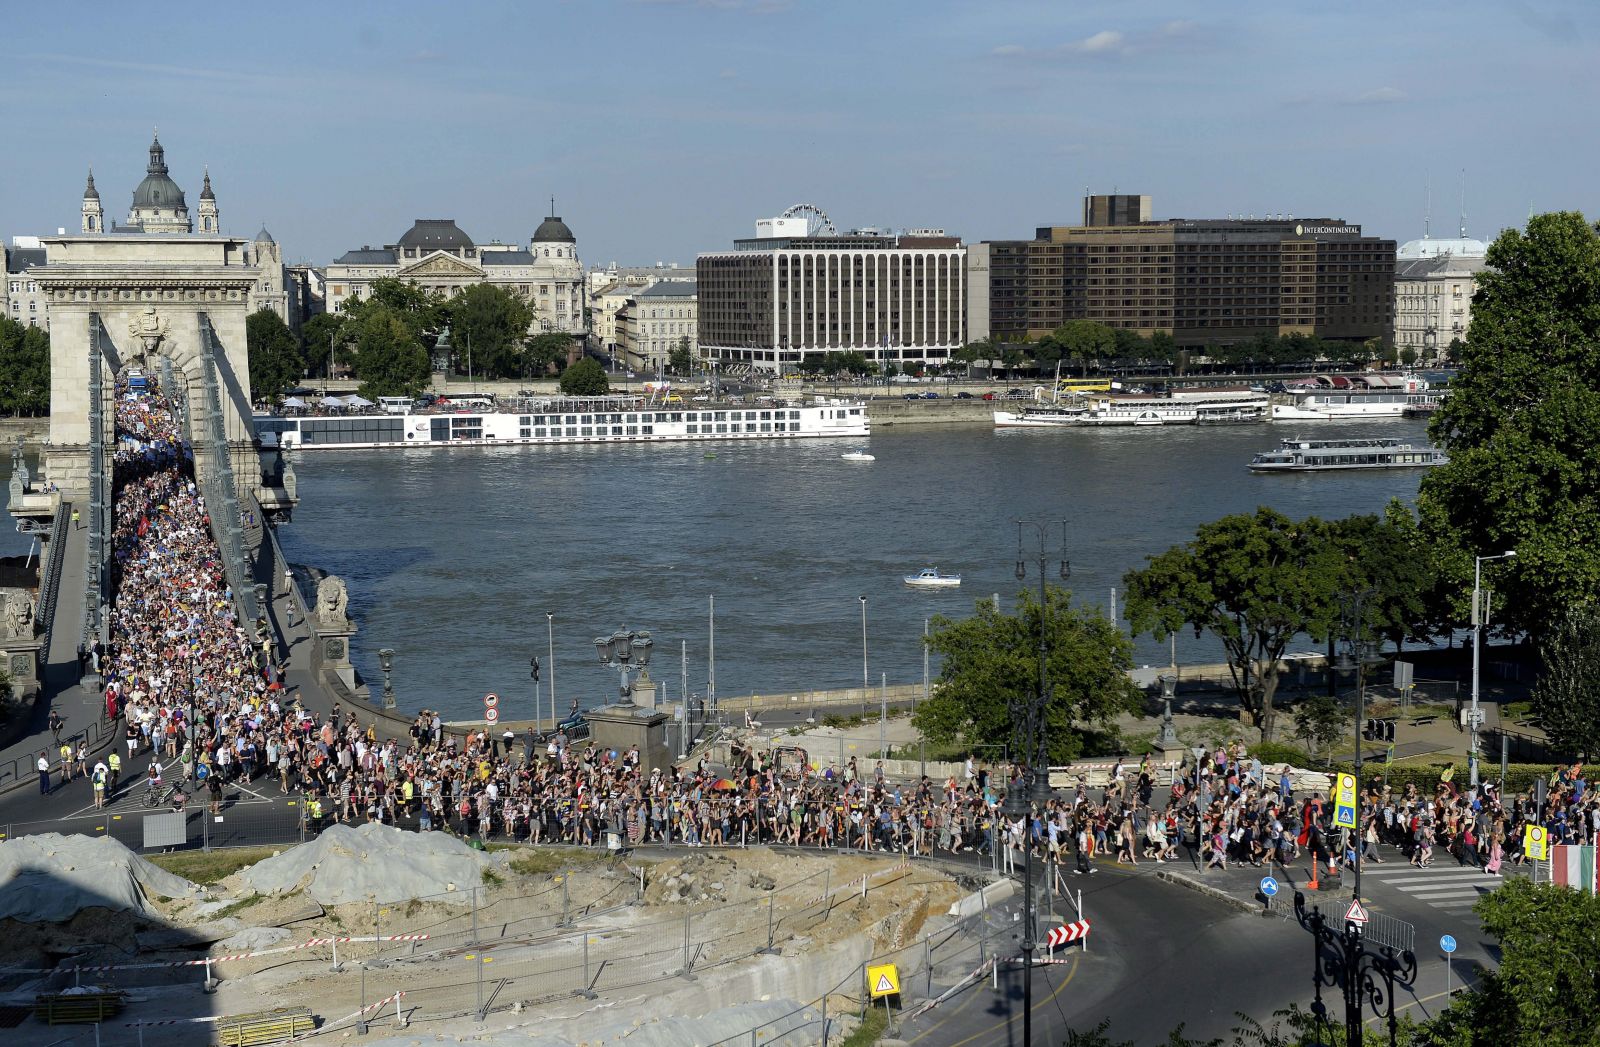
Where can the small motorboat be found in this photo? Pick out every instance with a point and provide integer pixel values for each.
(930, 578)
(858, 455)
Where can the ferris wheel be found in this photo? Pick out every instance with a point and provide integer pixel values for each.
(817, 221)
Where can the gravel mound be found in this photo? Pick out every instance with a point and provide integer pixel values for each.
(49, 878)
(373, 863)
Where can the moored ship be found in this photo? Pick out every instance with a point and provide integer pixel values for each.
(1300, 456)
(1182, 408)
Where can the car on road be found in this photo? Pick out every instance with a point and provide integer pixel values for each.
(911, 396)
(930, 395)
(988, 396)
(1016, 394)
(963, 396)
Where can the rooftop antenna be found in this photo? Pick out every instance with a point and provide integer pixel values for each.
(1463, 203)
(552, 205)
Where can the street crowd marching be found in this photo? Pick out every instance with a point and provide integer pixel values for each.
(174, 638)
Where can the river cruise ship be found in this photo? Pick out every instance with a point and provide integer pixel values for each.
(1364, 397)
(1182, 408)
(573, 421)
(1306, 456)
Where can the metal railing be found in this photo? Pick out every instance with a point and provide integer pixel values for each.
(218, 484)
(95, 560)
(21, 769)
(50, 578)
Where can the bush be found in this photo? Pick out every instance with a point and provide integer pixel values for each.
(1519, 776)
(1278, 752)
(585, 378)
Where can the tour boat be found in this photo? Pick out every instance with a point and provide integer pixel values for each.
(586, 420)
(1196, 407)
(1302, 456)
(1365, 397)
(930, 578)
(857, 455)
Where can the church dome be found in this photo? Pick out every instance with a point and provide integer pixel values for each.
(552, 231)
(158, 190)
(435, 234)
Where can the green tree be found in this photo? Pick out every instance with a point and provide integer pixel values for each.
(421, 311)
(680, 360)
(548, 352)
(275, 360)
(323, 332)
(585, 378)
(1567, 696)
(389, 358)
(1163, 347)
(1254, 582)
(991, 662)
(494, 323)
(1408, 356)
(1085, 340)
(1519, 424)
(24, 368)
(1320, 722)
(972, 352)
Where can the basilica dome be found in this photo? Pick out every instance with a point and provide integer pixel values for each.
(158, 190)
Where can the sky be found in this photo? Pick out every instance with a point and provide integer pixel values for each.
(667, 127)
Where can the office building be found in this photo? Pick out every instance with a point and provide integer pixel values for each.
(654, 322)
(1434, 281)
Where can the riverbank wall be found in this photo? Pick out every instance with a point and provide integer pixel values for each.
(34, 431)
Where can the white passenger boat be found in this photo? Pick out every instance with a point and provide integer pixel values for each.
(592, 420)
(1368, 397)
(1182, 408)
(1304, 456)
(930, 578)
(857, 456)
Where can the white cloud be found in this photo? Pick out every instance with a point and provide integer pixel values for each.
(1379, 96)
(1103, 42)
(1106, 44)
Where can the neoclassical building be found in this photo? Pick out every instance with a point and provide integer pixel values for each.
(1434, 281)
(438, 256)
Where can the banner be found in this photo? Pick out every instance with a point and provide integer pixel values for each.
(1573, 866)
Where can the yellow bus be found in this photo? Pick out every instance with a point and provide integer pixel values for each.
(1084, 385)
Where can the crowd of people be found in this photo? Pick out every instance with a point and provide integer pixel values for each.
(176, 643)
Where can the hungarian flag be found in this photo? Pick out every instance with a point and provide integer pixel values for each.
(1573, 866)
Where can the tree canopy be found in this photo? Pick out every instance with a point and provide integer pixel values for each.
(24, 368)
(548, 352)
(991, 661)
(421, 311)
(494, 323)
(585, 378)
(389, 357)
(1520, 424)
(681, 360)
(325, 332)
(1567, 696)
(1256, 581)
(275, 360)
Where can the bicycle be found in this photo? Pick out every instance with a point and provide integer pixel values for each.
(159, 794)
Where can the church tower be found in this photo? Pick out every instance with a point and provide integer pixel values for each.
(207, 211)
(94, 217)
(158, 203)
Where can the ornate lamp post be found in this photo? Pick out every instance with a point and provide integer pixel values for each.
(627, 652)
(386, 663)
(1031, 787)
(1479, 615)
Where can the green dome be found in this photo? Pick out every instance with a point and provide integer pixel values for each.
(157, 189)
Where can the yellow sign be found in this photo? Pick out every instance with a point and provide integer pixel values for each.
(1344, 802)
(1536, 842)
(883, 980)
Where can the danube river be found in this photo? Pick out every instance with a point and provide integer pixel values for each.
(454, 558)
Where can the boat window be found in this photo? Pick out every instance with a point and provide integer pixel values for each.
(694, 429)
(526, 433)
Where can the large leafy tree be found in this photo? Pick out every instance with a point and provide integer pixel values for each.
(1520, 425)
(327, 333)
(389, 358)
(585, 378)
(421, 311)
(1255, 582)
(1084, 340)
(681, 360)
(991, 662)
(1567, 696)
(548, 352)
(24, 368)
(494, 323)
(275, 360)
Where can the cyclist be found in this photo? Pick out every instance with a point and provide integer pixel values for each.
(152, 784)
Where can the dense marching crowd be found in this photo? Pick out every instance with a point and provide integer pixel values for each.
(174, 635)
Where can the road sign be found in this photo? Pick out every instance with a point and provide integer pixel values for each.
(1344, 802)
(1448, 944)
(492, 717)
(1068, 932)
(491, 700)
(1269, 886)
(1356, 914)
(1536, 842)
(883, 980)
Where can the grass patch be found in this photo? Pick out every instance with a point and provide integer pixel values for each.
(532, 862)
(492, 879)
(238, 907)
(873, 1023)
(209, 867)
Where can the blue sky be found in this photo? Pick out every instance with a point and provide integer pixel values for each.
(666, 127)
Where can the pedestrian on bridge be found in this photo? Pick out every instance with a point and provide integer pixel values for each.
(44, 773)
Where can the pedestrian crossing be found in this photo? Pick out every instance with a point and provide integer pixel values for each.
(1449, 887)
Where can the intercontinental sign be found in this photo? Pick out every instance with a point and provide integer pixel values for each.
(1327, 230)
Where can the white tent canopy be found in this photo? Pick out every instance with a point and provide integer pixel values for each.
(293, 401)
(332, 401)
(357, 401)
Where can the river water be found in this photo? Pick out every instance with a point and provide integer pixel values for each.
(455, 557)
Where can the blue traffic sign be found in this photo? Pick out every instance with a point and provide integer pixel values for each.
(1448, 944)
(1269, 887)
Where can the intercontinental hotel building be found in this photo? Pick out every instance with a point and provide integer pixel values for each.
(799, 290)
(1206, 282)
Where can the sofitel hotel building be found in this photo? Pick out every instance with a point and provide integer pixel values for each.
(1206, 282)
(797, 290)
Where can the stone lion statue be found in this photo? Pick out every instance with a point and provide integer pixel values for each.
(18, 609)
(331, 600)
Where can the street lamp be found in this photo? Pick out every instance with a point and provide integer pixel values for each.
(386, 663)
(864, 684)
(1355, 655)
(1479, 614)
(1032, 785)
(550, 625)
(627, 652)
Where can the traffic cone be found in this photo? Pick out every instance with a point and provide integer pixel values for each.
(1311, 884)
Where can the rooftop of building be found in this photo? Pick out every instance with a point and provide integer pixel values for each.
(367, 256)
(553, 230)
(21, 258)
(435, 234)
(504, 257)
(1461, 247)
(1439, 265)
(670, 289)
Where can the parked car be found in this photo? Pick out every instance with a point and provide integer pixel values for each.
(988, 396)
(911, 396)
(963, 396)
(930, 395)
